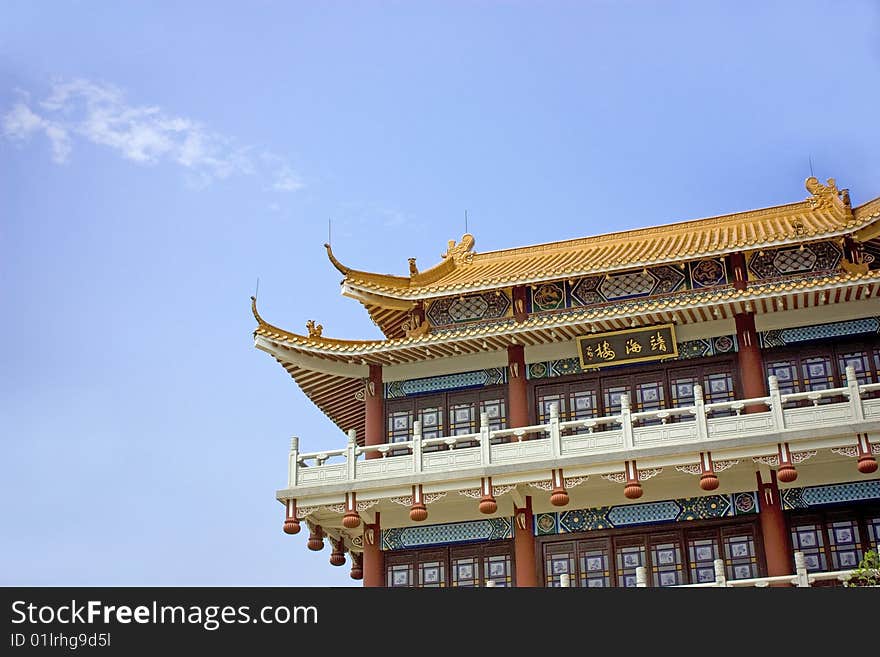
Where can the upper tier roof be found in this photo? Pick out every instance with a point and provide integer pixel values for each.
(826, 213)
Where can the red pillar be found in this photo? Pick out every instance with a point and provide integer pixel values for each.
(374, 560)
(517, 390)
(751, 369)
(524, 546)
(519, 303)
(374, 410)
(738, 265)
(777, 545)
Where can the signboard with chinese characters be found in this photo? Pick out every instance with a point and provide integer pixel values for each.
(636, 345)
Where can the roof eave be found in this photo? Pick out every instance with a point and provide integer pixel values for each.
(411, 295)
(355, 351)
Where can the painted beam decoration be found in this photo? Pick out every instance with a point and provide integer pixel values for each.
(636, 345)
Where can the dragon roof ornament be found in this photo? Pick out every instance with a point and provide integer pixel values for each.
(824, 196)
(461, 253)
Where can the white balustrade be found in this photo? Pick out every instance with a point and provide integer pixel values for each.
(616, 436)
(800, 578)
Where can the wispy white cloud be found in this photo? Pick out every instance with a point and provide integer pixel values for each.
(20, 123)
(148, 135)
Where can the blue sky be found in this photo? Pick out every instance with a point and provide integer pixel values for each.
(157, 158)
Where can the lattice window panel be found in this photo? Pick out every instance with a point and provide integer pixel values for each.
(628, 559)
(666, 567)
(650, 396)
(785, 372)
(718, 387)
(496, 409)
(498, 569)
(462, 420)
(859, 361)
(874, 531)
(739, 557)
(399, 426)
(701, 555)
(808, 538)
(400, 576)
(582, 404)
(818, 373)
(595, 569)
(682, 389)
(432, 574)
(844, 543)
(432, 425)
(465, 572)
(612, 396)
(556, 565)
(545, 401)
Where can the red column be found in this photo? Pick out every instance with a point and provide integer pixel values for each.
(738, 265)
(374, 410)
(374, 560)
(524, 546)
(751, 369)
(517, 390)
(519, 303)
(777, 545)
(851, 250)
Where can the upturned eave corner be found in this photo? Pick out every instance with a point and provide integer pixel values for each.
(354, 274)
(256, 313)
(265, 329)
(339, 266)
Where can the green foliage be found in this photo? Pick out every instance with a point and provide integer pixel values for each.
(868, 571)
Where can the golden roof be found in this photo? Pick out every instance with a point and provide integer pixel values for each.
(824, 214)
(330, 372)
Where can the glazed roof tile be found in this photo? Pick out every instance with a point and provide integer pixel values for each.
(824, 214)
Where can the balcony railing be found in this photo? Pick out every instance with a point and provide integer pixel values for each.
(800, 578)
(784, 417)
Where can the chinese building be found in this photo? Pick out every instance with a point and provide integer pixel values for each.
(654, 398)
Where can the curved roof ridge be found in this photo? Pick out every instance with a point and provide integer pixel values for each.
(415, 278)
(348, 271)
(737, 217)
(265, 328)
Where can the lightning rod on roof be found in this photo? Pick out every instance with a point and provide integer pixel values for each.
(465, 222)
(811, 166)
(257, 291)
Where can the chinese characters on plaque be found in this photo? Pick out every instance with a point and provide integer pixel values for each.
(629, 346)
